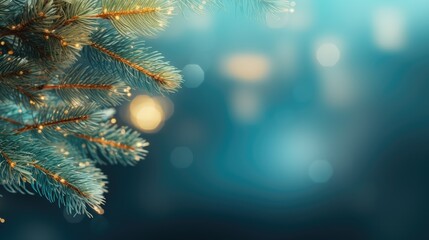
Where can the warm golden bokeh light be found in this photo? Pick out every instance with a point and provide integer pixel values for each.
(247, 67)
(147, 113)
(167, 106)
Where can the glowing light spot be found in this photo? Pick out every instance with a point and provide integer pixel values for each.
(389, 29)
(247, 67)
(328, 55)
(147, 113)
(167, 106)
(98, 210)
(181, 157)
(341, 88)
(320, 171)
(246, 106)
(193, 75)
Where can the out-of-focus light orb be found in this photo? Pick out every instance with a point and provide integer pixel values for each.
(193, 75)
(328, 55)
(247, 67)
(246, 106)
(320, 171)
(181, 157)
(167, 106)
(147, 113)
(389, 29)
(341, 89)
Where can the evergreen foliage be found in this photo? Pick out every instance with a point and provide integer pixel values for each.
(63, 65)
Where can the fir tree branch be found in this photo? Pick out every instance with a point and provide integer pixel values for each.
(83, 84)
(140, 66)
(102, 141)
(75, 119)
(13, 163)
(259, 8)
(11, 121)
(9, 161)
(117, 14)
(51, 175)
(137, 17)
(198, 6)
(40, 34)
(56, 177)
(111, 144)
(41, 126)
(73, 86)
(154, 76)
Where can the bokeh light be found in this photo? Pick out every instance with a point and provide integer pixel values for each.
(247, 67)
(166, 104)
(246, 105)
(193, 75)
(328, 55)
(340, 88)
(147, 113)
(389, 29)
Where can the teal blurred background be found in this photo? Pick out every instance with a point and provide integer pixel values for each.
(311, 125)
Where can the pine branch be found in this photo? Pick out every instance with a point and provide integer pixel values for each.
(8, 8)
(111, 144)
(82, 84)
(198, 6)
(10, 120)
(134, 17)
(259, 8)
(67, 119)
(20, 72)
(15, 76)
(82, 186)
(11, 117)
(141, 67)
(39, 32)
(14, 168)
(51, 175)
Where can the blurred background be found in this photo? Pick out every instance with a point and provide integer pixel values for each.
(309, 125)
